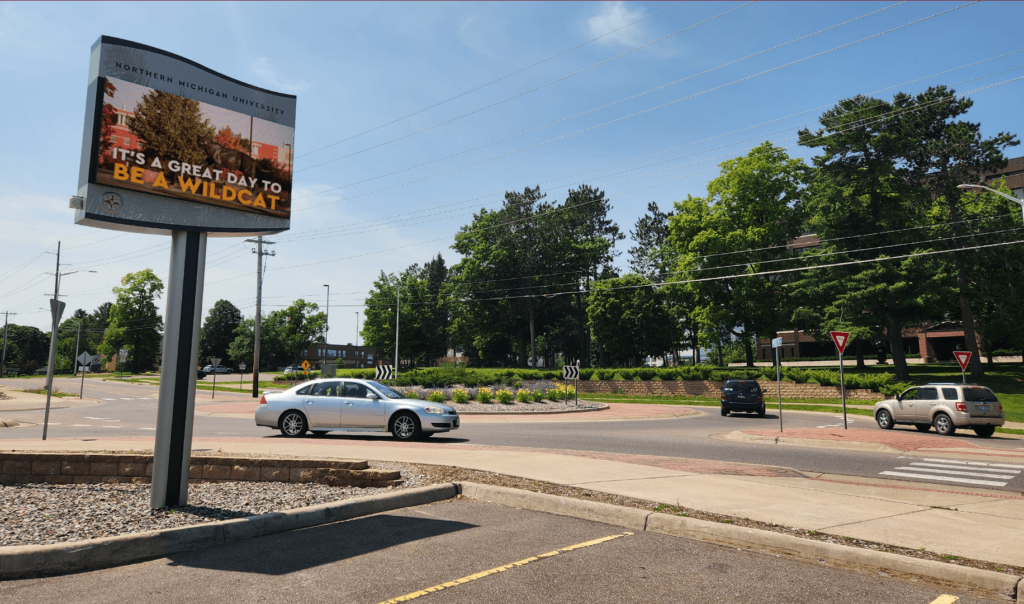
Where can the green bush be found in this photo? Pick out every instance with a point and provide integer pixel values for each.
(436, 397)
(894, 389)
(537, 396)
(484, 395)
(523, 395)
(504, 396)
(667, 373)
(411, 394)
(460, 396)
(646, 373)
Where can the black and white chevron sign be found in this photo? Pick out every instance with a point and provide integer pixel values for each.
(570, 372)
(385, 372)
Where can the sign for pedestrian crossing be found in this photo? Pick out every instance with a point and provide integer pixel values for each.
(385, 372)
(841, 339)
(570, 372)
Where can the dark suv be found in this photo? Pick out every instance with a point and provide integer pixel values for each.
(742, 395)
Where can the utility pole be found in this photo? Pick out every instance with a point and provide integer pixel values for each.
(3, 356)
(78, 340)
(259, 300)
(327, 328)
(357, 329)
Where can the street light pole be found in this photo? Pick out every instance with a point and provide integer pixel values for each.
(357, 329)
(999, 193)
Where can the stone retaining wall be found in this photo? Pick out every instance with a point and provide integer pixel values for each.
(92, 468)
(712, 389)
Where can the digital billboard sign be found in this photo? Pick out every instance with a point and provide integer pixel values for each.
(171, 145)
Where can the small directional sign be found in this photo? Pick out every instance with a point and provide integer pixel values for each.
(570, 372)
(123, 354)
(385, 372)
(241, 366)
(776, 342)
(841, 339)
(962, 357)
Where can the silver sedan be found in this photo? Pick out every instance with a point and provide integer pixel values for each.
(321, 406)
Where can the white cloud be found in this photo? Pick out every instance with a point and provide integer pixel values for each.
(613, 16)
(263, 69)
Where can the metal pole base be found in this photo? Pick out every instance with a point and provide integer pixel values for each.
(172, 451)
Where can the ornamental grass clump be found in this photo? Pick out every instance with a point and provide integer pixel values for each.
(460, 396)
(485, 396)
(523, 395)
(504, 396)
(436, 396)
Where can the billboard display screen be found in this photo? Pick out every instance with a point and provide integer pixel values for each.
(171, 145)
(164, 144)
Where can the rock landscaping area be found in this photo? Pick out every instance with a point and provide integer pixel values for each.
(41, 514)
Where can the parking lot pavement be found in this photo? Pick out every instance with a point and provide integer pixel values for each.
(467, 551)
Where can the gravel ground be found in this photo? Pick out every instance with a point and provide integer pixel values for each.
(517, 407)
(40, 514)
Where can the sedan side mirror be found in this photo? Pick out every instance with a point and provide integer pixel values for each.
(372, 396)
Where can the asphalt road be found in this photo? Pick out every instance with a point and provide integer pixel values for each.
(130, 410)
(384, 557)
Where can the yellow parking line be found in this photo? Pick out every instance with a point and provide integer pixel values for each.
(501, 569)
(945, 599)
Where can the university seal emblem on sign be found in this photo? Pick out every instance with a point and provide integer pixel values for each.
(111, 203)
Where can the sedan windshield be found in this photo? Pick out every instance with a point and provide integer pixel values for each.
(384, 390)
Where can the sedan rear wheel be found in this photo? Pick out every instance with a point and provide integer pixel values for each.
(884, 420)
(405, 427)
(293, 424)
(725, 411)
(944, 425)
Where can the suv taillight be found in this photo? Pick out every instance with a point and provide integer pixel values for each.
(263, 400)
(961, 406)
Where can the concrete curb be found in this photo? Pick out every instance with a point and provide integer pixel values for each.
(862, 561)
(8, 423)
(603, 407)
(34, 560)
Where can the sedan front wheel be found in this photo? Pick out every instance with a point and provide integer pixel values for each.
(405, 427)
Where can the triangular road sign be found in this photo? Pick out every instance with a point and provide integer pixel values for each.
(963, 358)
(841, 339)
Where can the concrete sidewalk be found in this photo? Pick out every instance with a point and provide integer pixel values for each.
(967, 522)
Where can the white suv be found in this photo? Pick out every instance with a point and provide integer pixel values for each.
(945, 406)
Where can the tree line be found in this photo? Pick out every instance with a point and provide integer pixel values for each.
(900, 246)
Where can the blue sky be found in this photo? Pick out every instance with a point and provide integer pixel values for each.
(371, 195)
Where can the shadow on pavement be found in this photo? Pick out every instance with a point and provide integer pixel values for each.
(308, 548)
(372, 436)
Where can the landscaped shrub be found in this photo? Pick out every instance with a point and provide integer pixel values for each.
(484, 395)
(537, 396)
(410, 393)
(894, 389)
(646, 373)
(523, 395)
(667, 373)
(460, 396)
(436, 397)
(560, 392)
(587, 374)
(504, 396)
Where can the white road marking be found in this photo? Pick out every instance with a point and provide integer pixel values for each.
(147, 428)
(81, 425)
(944, 467)
(977, 463)
(127, 399)
(991, 483)
(103, 419)
(110, 426)
(110, 399)
(940, 473)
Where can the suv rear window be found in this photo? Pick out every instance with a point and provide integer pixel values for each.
(979, 393)
(746, 386)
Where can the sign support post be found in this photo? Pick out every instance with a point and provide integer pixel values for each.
(172, 451)
(841, 339)
(215, 361)
(241, 372)
(963, 357)
(776, 345)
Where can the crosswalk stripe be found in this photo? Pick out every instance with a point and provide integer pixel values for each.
(991, 483)
(956, 473)
(976, 463)
(945, 467)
